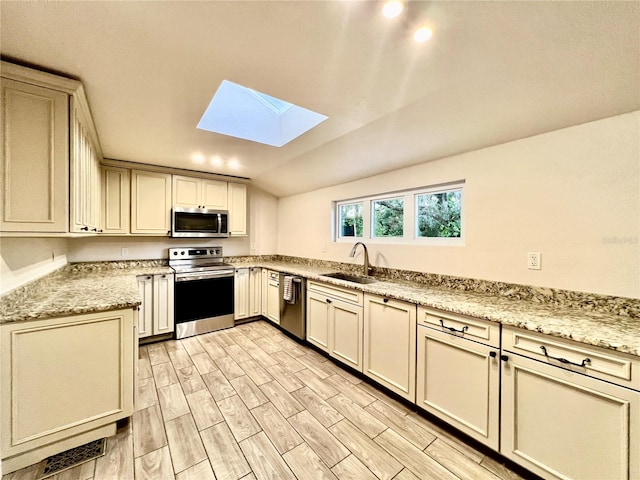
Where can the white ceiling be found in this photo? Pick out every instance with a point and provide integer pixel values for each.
(493, 72)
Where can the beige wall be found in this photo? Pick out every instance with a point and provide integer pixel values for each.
(572, 194)
(25, 259)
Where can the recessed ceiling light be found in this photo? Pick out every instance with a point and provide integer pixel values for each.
(392, 8)
(422, 34)
(216, 161)
(241, 112)
(197, 158)
(234, 164)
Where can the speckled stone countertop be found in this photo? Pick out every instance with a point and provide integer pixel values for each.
(600, 328)
(607, 322)
(77, 289)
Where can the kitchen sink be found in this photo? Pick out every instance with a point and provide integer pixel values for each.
(349, 278)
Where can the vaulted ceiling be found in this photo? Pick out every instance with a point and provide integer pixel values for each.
(491, 73)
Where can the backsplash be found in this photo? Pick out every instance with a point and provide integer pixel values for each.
(629, 307)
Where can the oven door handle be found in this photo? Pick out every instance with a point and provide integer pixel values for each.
(188, 277)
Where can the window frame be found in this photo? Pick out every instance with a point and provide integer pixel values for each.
(410, 220)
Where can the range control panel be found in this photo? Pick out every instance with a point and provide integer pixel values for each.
(193, 253)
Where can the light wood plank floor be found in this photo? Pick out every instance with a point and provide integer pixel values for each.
(251, 403)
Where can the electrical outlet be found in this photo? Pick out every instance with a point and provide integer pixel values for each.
(534, 259)
(324, 248)
(124, 252)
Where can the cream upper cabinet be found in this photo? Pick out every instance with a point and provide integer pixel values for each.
(335, 322)
(116, 200)
(390, 344)
(85, 174)
(34, 167)
(150, 203)
(559, 419)
(192, 192)
(237, 205)
(458, 378)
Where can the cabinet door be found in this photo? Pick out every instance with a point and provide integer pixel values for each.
(34, 166)
(561, 424)
(390, 344)
(237, 200)
(255, 292)
(458, 380)
(273, 301)
(187, 192)
(150, 203)
(214, 194)
(318, 308)
(345, 333)
(64, 377)
(265, 293)
(145, 311)
(241, 294)
(116, 198)
(163, 304)
(85, 181)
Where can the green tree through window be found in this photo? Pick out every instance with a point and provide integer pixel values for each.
(388, 216)
(438, 214)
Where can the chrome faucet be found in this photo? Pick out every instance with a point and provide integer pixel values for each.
(367, 268)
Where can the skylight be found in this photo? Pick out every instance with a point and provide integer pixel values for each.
(241, 112)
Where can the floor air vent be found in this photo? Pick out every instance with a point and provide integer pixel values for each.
(71, 458)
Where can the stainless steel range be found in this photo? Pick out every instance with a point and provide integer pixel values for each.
(203, 290)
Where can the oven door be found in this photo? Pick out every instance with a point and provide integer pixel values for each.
(203, 302)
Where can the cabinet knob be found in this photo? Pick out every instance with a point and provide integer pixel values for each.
(493, 354)
(148, 278)
(86, 229)
(328, 301)
(504, 358)
(385, 300)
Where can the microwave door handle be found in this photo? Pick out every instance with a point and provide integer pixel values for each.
(219, 223)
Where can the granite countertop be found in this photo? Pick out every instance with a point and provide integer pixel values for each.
(607, 330)
(103, 286)
(74, 291)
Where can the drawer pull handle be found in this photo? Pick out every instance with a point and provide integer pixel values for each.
(564, 360)
(452, 329)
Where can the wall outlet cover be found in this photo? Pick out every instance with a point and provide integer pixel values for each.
(534, 260)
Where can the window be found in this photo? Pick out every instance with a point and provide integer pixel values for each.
(422, 216)
(350, 219)
(438, 214)
(388, 217)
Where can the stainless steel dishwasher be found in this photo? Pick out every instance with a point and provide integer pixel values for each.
(293, 304)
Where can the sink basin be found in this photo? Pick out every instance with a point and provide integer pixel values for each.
(349, 278)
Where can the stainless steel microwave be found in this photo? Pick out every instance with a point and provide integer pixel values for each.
(199, 222)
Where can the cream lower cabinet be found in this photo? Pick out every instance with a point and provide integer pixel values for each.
(335, 322)
(150, 203)
(273, 296)
(156, 316)
(458, 372)
(247, 293)
(561, 420)
(255, 291)
(390, 344)
(241, 289)
(64, 382)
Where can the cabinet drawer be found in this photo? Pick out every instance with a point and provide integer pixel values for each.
(468, 327)
(346, 294)
(586, 359)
